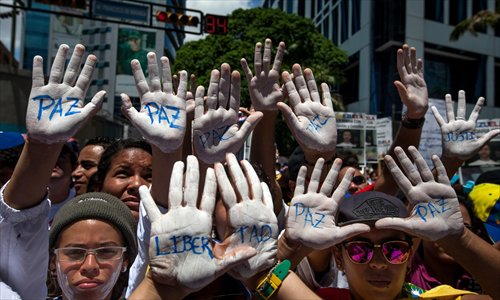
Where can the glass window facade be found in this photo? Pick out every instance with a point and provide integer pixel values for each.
(434, 10)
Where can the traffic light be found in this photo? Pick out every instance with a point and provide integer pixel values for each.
(177, 18)
(80, 4)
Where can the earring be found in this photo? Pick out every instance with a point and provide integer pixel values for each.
(124, 269)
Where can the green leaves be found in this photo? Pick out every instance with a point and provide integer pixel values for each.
(304, 45)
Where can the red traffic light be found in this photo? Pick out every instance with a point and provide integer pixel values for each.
(166, 16)
(177, 18)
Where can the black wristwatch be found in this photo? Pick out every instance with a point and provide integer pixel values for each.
(412, 123)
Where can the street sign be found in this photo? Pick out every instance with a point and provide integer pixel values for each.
(122, 11)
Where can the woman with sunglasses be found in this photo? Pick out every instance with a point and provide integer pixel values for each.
(371, 233)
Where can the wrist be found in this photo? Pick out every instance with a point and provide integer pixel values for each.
(291, 250)
(312, 156)
(412, 123)
(456, 240)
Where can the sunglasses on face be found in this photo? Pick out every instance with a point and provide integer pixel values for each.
(395, 252)
(357, 180)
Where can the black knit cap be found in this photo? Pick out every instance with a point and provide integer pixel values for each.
(97, 206)
(369, 207)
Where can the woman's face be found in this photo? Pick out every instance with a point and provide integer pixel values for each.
(92, 278)
(129, 169)
(376, 279)
(87, 165)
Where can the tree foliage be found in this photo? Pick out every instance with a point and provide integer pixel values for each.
(304, 45)
(478, 22)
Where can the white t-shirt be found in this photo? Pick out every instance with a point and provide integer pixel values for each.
(24, 250)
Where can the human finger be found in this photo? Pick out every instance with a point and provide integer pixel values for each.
(316, 176)
(176, 181)
(449, 108)
(166, 75)
(154, 73)
(57, 70)
(71, 73)
(149, 204)
(257, 59)
(278, 59)
(224, 85)
(192, 180)
(266, 61)
(331, 178)
(225, 188)
(140, 81)
(311, 84)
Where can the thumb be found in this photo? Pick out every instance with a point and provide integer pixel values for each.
(149, 204)
(488, 136)
(402, 91)
(127, 109)
(290, 118)
(94, 105)
(233, 258)
(250, 123)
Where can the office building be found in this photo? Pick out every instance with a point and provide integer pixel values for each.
(371, 32)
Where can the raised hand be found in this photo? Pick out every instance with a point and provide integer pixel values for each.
(412, 88)
(215, 126)
(311, 217)
(264, 89)
(162, 118)
(311, 120)
(252, 221)
(56, 110)
(459, 135)
(181, 251)
(436, 212)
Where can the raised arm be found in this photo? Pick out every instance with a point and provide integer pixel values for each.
(265, 93)
(161, 120)
(252, 221)
(55, 112)
(412, 90)
(311, 221)
(459, 138)
(215, 126)
(182, 253)
(310, 116)
(436, 216)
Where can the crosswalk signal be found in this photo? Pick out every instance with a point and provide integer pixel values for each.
(177, 18)
(215, 24)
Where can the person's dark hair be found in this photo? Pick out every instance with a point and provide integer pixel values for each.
(96, 181)
(295, 161)
(102, 141)
(73, 156)
(8, 161)
(477, 226)
(10, 156)
(349, 159)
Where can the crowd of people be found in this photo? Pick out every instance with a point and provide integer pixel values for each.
(175, 215)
